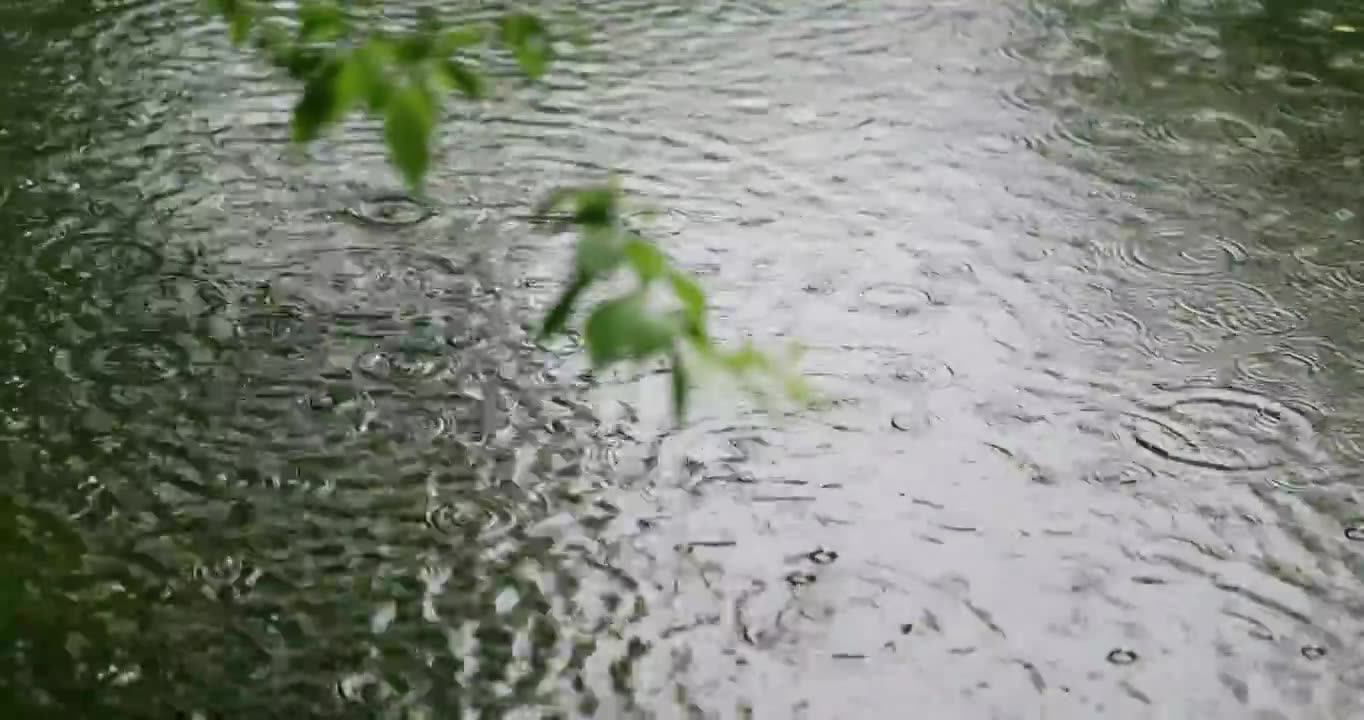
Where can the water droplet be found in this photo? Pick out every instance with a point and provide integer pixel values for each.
(822, 556)
(1313, 652)
(1224, 429)
(383, 617)
(394, 210)
(506, 600)
(440, 517)
(1237, 308)
(1355, 531)
(910, 422)
(1300, 80)
(321, 402)
(1121, 656)
(375, 364)
(1172, 251)
(895, 298)
(1124, 473)
(933, 374)
(797, 578)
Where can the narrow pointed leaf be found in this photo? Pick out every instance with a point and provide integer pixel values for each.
(681, 385)
(408, 123)
(367, 69)
(526, 37)
(463, 78)
(352, 84)
(693, 300)
(557, 319)
(319, 105)
(320, 21)
(240, 16)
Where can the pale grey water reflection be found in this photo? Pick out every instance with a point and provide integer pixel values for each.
(1079, 281)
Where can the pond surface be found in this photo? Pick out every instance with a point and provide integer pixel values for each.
(1080, 282)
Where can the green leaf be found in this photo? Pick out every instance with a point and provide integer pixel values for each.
(460, 77)
(428, 19)
(461, 39)
(647, 259)
(625, 329)
(745, 360)
(366, 75)
(525, 35)
(415, 48)
(681, 382)
(408, 123)
(319, 105)
(238, 14)
(597, 206)
(320, 21)
(302, 62)
(693, 302)
(557, 318)
(352, 83)
(241, 28)
(275, 41)
(600, 250)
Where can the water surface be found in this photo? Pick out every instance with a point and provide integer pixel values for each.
(1079, 281)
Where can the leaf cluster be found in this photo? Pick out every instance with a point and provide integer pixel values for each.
(348, 61)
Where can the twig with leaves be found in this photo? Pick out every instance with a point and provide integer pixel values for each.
(349, 63)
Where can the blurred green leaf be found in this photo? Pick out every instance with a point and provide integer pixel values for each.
(241, 27)
(681, 385)
(528, 40)
(745, 360)
(275, 42)
(460, 77)
(366, 75)
(646, 258)
(556, 320)
(625, 328)
(600, 250)
(693, 302)
(461, 39)
(303, 62)
(415, 48)
(320, 21)
(239, 15)
(596, 206)
(338, 75)
(320, 103)
(428, 19)
(408, 122)
(352, 83)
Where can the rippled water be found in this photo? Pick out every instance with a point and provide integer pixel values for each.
(1080, 283)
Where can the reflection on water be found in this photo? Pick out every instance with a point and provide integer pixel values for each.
(1080, 281)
